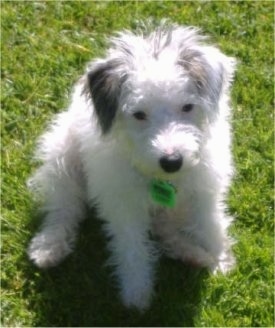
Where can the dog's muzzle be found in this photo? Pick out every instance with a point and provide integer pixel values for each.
(171, 163)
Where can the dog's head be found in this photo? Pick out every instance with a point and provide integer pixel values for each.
(158, 95)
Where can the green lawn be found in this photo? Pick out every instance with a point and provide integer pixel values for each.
(45, 46)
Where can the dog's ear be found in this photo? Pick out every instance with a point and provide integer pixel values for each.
(103, 85)
(211, 70)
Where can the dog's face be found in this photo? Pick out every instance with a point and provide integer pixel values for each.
(158, 96)
(162, 123)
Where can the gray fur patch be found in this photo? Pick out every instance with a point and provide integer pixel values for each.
(104, 87)
(200, 71)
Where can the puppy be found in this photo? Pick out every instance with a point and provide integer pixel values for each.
(146, 139)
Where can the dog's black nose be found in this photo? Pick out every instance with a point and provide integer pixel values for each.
(171, 163)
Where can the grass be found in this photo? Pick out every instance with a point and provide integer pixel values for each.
(45, 46)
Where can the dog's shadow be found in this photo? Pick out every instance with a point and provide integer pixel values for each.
(81, 292)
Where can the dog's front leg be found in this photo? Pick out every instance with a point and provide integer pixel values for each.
(133, 254)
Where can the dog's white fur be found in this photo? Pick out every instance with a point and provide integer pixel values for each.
(127, 113)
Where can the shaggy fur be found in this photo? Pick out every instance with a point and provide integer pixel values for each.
(154, 109)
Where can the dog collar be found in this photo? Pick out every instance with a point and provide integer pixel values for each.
(163, 192)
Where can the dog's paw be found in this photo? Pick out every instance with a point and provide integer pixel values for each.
(47, 252)
(201, 258)
(198, 257)
(138, 297)
(225, 263)
(190, 253)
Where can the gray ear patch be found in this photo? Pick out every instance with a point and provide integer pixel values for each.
(104, 86)
(201, 72)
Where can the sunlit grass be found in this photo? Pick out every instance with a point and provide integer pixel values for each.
(45, 46)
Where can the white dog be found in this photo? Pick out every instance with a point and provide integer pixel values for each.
(147, 140)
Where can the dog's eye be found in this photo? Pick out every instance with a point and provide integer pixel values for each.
(187, 108)
(141, 116)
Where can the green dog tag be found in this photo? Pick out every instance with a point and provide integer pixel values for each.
(163, 193)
